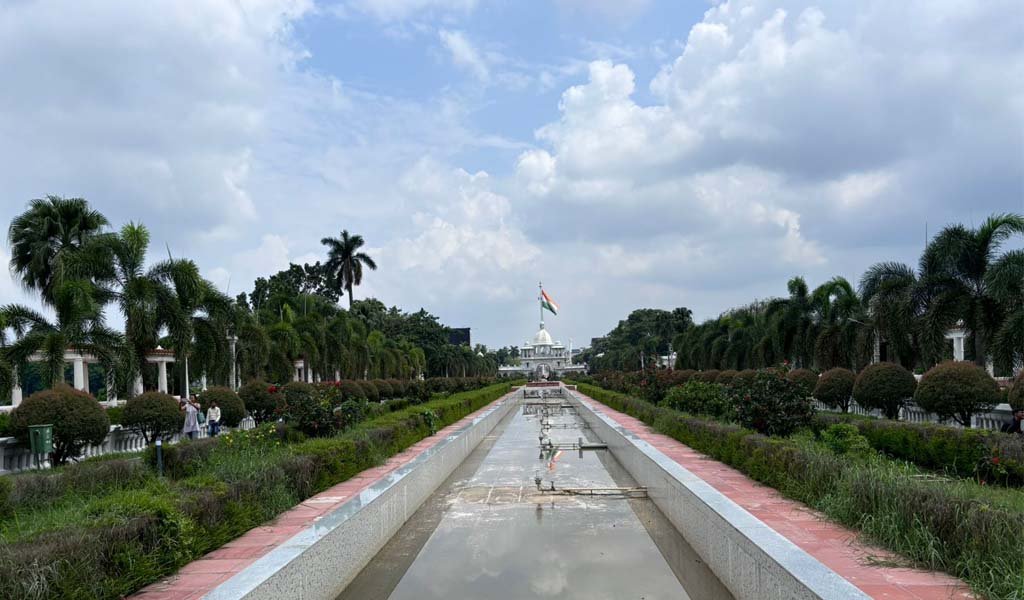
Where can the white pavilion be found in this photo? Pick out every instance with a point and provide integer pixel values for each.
(541, 357)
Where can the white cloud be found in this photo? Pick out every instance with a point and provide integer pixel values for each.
(464, 54)
(397, 10)
(614, 10)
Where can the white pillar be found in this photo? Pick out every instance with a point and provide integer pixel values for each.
(337, 375)
(958, 347)
(232, 340)
(202, 381)
(309, 374)
(137, 387)
(81, 383)
(162, 376)
(295, 376)
(15, 393)
(990, 367)
(876, 357)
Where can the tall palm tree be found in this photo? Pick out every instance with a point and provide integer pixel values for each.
(345, 262)
(793, 323)
(78, 325)
(841, 338)
(896, 300)
(1005, 281)
(955, 273)
(46, 236)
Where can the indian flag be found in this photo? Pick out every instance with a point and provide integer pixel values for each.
(548, 303)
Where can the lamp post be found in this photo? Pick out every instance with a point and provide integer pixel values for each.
(232, 340)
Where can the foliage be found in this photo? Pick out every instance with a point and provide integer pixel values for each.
(307, 410)
(232, 408)
(726, 377)
(843, 438)
(835, 388)
(1015, 395)
(115, 414)
(700, 398)
(885, 386)
(77, 419)
(638, 339)
(153, 414)
(805, 379)
(259, 399)
(957, 390)
(708, 376)
(369, 391)
(772, 405)
(345, 262)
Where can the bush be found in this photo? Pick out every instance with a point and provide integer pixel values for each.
(835, 388)
(115, 414)
(399, 387)
(957, 390)
(700, 398)
(384, 389)
(153, 414)
(1015, 394)
(259, 400)
(726, 377)
(77, 419)
(308, 411)
(708, 376)
(843, 438)
(351, 412)
(744, 377)
(369, 391)
(350, 390)
(884, 386)
(232, 409)
(772, 405)
(5, 425)
(805, 379)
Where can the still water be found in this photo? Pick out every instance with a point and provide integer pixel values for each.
(489, 533)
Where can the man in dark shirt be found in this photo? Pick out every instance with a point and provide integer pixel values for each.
(1014, 424)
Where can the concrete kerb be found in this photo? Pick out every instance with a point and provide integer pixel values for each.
(319, 561)
(751, 559)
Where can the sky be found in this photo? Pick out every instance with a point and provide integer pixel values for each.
(627, 153)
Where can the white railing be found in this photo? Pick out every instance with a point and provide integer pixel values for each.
(16, 457)
(913, 413)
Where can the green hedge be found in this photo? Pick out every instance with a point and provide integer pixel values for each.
(953, 526)
(116, 540)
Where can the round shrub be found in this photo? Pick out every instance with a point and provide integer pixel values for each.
(805, 379)
(682, 376)
(351, 412)
(384, 389)
(351, 390)
(709, 376)
(155, 415)
(115, 414)
(307, 410)
(369, 391)
(957, 390)
(77, 419)
(232, 409)
(1015, 395)
(844, 438)
(259, 399)
(726, 377)
(835, 388)
(398, 387)
(744, 377)
(772, 405)
(700, 398)
(885, 386)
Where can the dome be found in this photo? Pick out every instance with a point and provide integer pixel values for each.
(542, 338)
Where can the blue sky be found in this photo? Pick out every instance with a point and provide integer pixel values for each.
(630, 153)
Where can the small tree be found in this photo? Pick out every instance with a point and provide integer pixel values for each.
(232, 409)
(77, 419)
(835, 388)
(700, 398)
(259, 400)
(957, 390)
(886, 386)
(772, 405)
(154, 414)
(805, 379)
(307, 410)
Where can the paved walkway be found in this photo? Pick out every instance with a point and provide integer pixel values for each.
(832, 544)
(199, 577)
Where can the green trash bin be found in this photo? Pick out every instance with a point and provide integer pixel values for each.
(40, 440)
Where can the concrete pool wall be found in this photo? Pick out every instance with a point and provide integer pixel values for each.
(318, 562)
(751, 559)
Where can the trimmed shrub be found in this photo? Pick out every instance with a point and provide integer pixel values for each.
(259, 400)
(1015, 394)
(700, 398)
(884, 386)
(384, 389)
(744, 377)
(350, 390)
(153, 414)
(772, 405)
(232, 409)
(726, 377)
(708, 376)
(843, 438)
(957, 390)
(398, 386)
(115, 414)
(5, 425)
(805, 379)
(77, 419)
(307, 410)
(835, 388)
(351, 412)
(369, 391)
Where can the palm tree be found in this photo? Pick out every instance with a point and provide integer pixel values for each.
(955, 272)
(78, 325)
(46, 236)
(896, 301)
(793, 323)
(345, 262)
(841, 338)
(1005, 281)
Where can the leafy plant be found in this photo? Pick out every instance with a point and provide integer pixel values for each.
(153, 414)
(805, 379)
(77, 419)
(885, 386)
(843, 438)
(957, 390)
(835, 388)
(772, 405)
(259, 400)
(700, 398)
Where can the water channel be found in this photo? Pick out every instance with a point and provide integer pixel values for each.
(488, 532)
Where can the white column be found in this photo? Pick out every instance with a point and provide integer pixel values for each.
(81, 383)
(234, 359)
(309, 374)
(337, 375)
(202, 381)
(137, 387)
(15, 394)
(958, 347)
(162, 376)
(990, 367)
(877, 356)
(295, 376)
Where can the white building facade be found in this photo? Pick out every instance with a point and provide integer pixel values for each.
(541, 358)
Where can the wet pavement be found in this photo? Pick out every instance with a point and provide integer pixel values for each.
(488, 532)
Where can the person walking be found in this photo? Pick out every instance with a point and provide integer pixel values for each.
(213, 419)
(191, 410)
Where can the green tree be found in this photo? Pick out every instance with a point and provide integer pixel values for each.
(345, 262)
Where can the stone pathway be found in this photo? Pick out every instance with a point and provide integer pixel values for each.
(834, 545)
(199, 577)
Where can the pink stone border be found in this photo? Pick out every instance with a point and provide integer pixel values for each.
(835, 546)
(201, 576)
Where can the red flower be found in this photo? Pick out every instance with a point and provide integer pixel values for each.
(995, 460)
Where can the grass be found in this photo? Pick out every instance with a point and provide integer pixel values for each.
(958, 526)
(104, 529)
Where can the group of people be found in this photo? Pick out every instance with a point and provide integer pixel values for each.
(195, 418)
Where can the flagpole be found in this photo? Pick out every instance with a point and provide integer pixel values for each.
(540, 302)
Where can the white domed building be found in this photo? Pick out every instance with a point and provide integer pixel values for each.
(541, 357)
